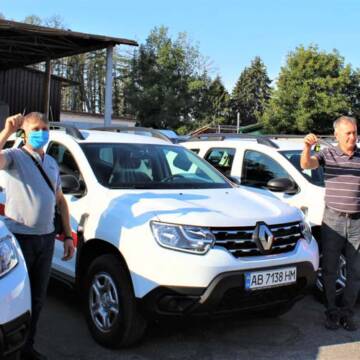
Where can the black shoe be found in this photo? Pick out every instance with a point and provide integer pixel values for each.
(332, 321)
(348, 323)
(32, 354)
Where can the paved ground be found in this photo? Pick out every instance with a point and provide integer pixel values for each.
(295, 336)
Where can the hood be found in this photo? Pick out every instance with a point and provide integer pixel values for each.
(210, 207)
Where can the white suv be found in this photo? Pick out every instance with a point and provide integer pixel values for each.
(15, 299)
(159, 231)
(271, 163)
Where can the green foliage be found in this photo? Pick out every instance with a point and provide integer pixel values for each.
(313, 88)
(211, 103)
(251, 93)
(166, 84)
(166, 81)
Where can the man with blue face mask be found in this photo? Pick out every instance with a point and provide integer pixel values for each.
(30, 208)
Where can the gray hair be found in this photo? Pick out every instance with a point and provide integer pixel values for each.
(342, 119)
(36, 115)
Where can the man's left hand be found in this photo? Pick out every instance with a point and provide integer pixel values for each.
(69, 249)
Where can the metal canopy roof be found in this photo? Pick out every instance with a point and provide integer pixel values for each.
(23, 44)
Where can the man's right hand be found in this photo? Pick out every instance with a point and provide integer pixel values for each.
(310, 140)
(13, 123)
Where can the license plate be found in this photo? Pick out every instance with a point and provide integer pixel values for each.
(270, 278)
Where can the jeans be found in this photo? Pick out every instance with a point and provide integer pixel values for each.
(340, 234)
(38, 251)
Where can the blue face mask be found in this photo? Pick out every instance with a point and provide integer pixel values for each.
(38, 139)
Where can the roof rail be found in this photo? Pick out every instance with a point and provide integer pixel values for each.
(134, 129)
(297, 136)
(264, 140)
(69, 129)
(261, 139)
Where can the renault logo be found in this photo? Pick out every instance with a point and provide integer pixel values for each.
(263, 237)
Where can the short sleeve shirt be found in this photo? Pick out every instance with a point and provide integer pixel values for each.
(342, 179)
(30, 203)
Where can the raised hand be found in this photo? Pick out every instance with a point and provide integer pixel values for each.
(310, 140)
(13, 123)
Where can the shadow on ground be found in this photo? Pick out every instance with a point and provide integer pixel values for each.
(298, 334)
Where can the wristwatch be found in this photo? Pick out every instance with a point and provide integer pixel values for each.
(68, 238)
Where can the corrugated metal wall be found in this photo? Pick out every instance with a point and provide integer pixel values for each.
(23, 88)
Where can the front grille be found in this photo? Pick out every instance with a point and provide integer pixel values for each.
(14, 333)
(240, 242)
(240, 299)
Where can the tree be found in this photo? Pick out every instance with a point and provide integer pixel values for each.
(163, 77)
(314, 88)
(251, 93)
(33, 20)
(214, 102)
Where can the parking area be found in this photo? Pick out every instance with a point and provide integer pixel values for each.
(295, 336)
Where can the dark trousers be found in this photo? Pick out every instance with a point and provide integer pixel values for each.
(339, 234)
(38, 251)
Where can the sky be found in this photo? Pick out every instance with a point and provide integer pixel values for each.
(229, 33)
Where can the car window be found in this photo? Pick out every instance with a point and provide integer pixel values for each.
(106, 155)
(151, 167)
(221, 159)
(259, 168)
(64, 158)
(315, 176)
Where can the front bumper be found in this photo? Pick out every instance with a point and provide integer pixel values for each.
(13, 334)
(227, 294)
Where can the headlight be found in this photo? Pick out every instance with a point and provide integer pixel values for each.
(8, 255)
(192, 239)
(306, 231)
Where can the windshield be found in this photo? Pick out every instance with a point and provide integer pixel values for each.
(144, 166)
(315, 176)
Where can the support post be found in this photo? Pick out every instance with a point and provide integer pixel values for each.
(47, 87)
(108, 86)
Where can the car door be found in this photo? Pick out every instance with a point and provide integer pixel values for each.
(258, 168)
(68, 165)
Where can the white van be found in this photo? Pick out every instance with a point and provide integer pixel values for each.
(271, 163)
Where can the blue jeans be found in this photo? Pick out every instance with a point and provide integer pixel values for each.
(341, 234)
(38, 251)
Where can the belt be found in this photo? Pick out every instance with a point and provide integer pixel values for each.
(344, 214)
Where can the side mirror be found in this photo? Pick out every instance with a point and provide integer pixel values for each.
(70, 185)
(282, 185)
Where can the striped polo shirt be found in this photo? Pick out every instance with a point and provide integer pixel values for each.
(342, 179)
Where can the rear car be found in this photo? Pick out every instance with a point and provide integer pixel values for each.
(15, 298)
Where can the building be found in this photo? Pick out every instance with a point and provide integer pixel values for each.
(24, 44)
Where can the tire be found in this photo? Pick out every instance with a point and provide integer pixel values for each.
(340, 282)
(110, 306)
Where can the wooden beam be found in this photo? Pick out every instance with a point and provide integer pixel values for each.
(47, 87)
